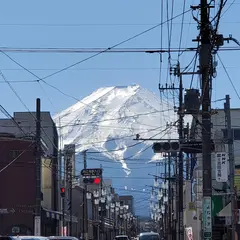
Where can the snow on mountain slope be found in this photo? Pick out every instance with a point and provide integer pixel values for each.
(109, 119)
(106, 122)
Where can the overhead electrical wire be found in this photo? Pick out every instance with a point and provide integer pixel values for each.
(229, 78)
(36, 76)
(109, 48)
(230, 5)
(81, 101)
(16, 158)
(91, 50)
(132, 145)
(22, 102)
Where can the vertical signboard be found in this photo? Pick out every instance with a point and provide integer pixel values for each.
(37, 226)
(207, 218)
(221, 166)
(189, 233)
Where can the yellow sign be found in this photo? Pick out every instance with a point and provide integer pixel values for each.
(191, 206)
(237, 179)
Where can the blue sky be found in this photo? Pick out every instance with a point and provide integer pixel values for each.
(98, 24)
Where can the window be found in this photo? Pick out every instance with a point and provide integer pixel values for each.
(121, 238)
(235, 133)
(15, 153)
(149, 237)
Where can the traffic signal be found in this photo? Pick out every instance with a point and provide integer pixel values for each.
(161, 147)
(92, 180)
(97, 180)
(62, 191)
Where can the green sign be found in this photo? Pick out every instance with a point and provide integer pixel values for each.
(207, 217)
(217, 205)
(207, 235)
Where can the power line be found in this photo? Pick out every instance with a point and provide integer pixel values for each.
(103, 50)
(114, 46)
(93, 50)
(228, 76)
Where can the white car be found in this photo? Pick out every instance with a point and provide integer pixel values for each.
(149, 236)
(121, 237)
(23, 238)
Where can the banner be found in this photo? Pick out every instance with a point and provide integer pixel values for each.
(189, 233)
(221, 166)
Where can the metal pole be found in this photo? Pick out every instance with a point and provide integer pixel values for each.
(85, 213)
(70, 194)
(231, 160)
(205, 69)
(63, 216)
(180, 162)
(37, 219)
(101, 204)
(169, 198)
(115, 234)
(165, 193)
(59, 186)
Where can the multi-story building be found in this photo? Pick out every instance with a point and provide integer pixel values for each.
(18, 188)
(127, 200)
(22, 125)
(219, 137)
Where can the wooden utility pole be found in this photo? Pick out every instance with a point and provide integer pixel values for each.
(180, 157)
(231, 161)
(37, 219)
(169, 198)
(69, 171)
(85, 210)
(102, 205)
(206, 81)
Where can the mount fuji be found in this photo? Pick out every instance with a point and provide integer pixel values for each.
(106, 123)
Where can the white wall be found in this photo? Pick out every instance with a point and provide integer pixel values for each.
(189, 220)
(218, 123)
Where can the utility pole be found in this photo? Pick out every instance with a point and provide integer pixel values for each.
(69, 185)
(63, 215)
(206, 81)
(231, 161)
(179, 182)
(179, 179)
(165, 193)
(85, 210)
(37, 219)
(169, 198)
(60, 224)
(101, 217)
(69, 159)
(186, 136)
(180, 157)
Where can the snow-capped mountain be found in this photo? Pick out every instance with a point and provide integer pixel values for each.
(106, 123)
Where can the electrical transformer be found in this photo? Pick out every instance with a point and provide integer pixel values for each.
(191, 101)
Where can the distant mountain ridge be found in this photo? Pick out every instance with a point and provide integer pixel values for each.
(106, 122)
(113, 113)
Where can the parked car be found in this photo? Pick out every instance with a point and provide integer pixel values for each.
(149, 236)
(63, 238)
(122, 237)
(23, 238)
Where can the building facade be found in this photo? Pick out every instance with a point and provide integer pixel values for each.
(18, 186)
(219, 199)
(26, 129)
(127, 200)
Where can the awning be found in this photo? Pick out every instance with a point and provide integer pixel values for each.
(57, 215)
(226, 211)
